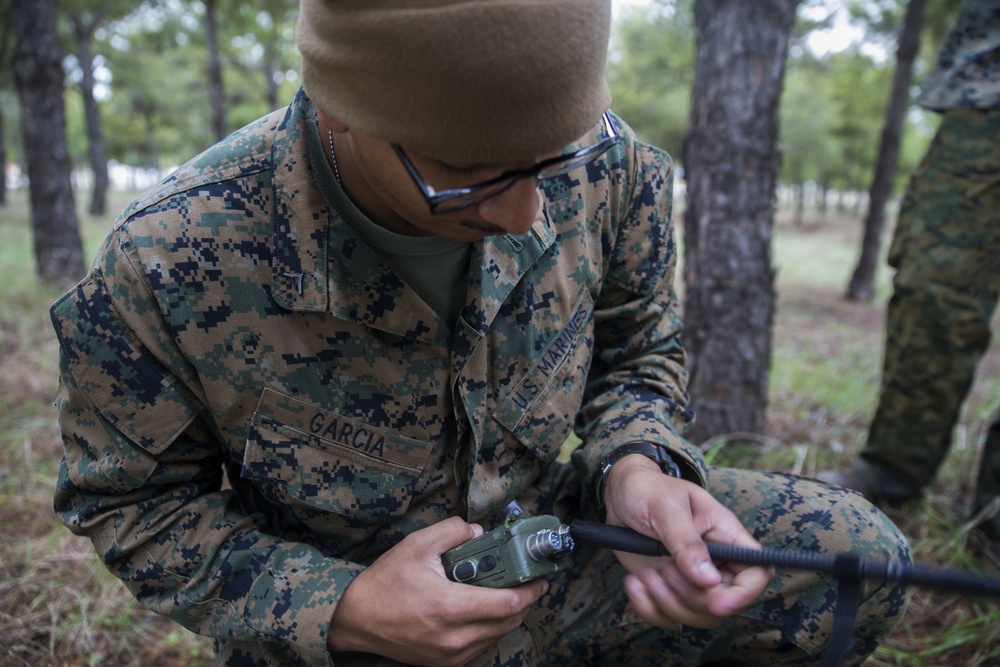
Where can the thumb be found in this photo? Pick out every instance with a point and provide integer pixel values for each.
(690, 554)
(692, 559)
(450, 533)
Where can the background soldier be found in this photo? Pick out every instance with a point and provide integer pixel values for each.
(946, 252)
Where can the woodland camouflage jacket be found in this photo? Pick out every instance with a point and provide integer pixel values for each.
(233, 322)
(966, 73)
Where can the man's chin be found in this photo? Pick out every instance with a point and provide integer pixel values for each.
(482, 227)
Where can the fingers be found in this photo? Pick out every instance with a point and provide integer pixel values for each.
(485, 606)
(447, 534)
(402, 606)
(687, 588)
(691, 555)
(675, 511)
(665, 597)
(690, 589)
(489, 605)
(477, 617)
(687, 528)
(745, 587)
(531, 592)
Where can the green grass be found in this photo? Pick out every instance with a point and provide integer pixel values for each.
(826, 366)
(58, 606)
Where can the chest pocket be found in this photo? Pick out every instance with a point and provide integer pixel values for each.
(541, 409)
(300, 455)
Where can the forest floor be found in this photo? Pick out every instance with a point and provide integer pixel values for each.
(824, 386)
(59, 607)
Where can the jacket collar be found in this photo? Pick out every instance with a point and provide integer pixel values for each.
(321, 264)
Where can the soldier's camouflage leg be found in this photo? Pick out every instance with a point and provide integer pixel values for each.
(585, 618)
(792, 622)
(935, 339)
(988, 485)
(239, 653)
(946, 251)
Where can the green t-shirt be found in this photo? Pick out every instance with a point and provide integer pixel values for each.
(436, 268)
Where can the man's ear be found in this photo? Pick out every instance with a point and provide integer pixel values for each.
(328, 122)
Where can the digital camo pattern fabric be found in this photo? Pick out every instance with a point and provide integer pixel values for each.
(584, 618)
(233, 322)
(946, 252)
(967, 71)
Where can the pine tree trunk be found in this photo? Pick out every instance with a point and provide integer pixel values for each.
(6, 34)
(862, 285)
(3, 158)
(84, 31)
(216, 88)
(38, 73)
(731, 161)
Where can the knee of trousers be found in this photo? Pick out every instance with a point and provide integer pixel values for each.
(789, 512)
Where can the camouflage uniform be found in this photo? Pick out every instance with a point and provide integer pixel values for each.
(946, 252)
(233, 321)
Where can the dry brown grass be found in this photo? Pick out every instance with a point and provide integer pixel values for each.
(58, 605)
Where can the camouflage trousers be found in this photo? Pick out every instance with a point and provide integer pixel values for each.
(585, 619)
(946, 252)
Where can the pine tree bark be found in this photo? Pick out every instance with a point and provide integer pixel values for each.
(731, 161)
(6, 34)
(215, 85)
(84, 29)
(3, 158)
(38, 74)
(862, 285)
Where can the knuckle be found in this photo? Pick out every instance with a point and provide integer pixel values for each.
(513, 623)
(448, 616)
(455, 650)
(452, 647)
(513, 605)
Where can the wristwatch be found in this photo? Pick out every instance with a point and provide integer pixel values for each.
(648, 449)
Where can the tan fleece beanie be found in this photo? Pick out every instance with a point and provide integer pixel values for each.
(465, 81)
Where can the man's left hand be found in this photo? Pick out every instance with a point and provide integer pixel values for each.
(688, 587)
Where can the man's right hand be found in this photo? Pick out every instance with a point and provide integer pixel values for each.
(404, 607)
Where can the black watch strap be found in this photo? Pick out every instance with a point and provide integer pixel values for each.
(648, 449)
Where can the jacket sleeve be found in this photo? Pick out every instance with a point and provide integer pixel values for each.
(142, 477)
(637, 386)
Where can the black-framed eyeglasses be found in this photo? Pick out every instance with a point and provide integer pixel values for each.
(454, 199)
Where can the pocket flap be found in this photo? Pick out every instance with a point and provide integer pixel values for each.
(331, 462)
